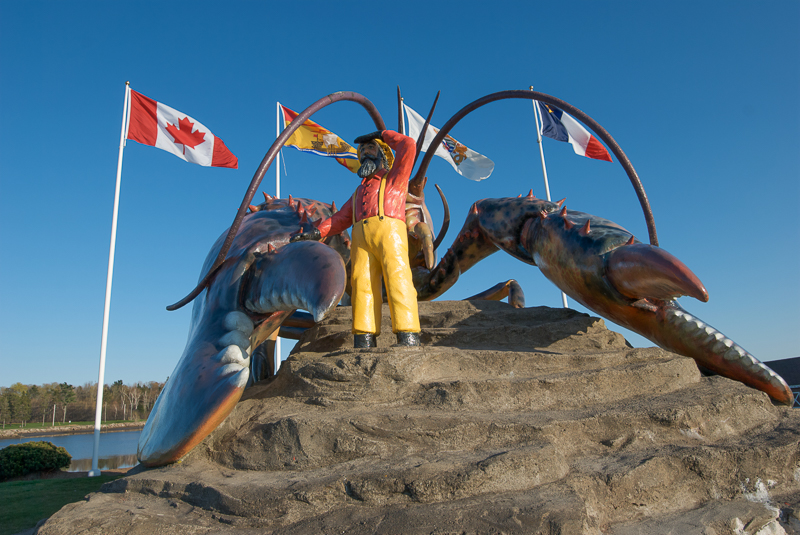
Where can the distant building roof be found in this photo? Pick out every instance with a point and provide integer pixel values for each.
(789, 369)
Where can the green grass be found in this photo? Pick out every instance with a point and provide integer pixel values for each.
(24, 503)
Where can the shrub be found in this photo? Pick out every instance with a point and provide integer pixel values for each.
(21, 459)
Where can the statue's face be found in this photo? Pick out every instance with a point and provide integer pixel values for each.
(370, 150)
(371, 160)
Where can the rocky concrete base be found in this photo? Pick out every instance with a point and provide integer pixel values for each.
(505, 421)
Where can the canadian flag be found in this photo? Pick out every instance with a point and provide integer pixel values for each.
(152, 123)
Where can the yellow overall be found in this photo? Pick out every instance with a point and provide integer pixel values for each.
(380, 247)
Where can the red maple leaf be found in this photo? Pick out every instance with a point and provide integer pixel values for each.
(183, 134)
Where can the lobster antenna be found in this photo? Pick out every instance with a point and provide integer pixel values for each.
(421, 137)
(400, 125)
(445, 219)
(572, 110)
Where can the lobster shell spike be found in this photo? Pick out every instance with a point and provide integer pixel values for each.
(585, 229)
(559, 203)
(530, 194)
(567, 223)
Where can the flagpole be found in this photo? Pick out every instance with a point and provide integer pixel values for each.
(277, 356)
(544, 171)
(95, 471)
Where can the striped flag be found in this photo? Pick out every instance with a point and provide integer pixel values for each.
(563, 127)
(314, 139)
(155, 124)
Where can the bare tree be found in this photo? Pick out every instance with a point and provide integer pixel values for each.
(134, 395)
(118, 394)
(147, 396)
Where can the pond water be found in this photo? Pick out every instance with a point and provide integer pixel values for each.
(117, 448)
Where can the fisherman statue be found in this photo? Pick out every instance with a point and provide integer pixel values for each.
(379, 248)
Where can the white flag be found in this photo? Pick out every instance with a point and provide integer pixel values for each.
(465, 161)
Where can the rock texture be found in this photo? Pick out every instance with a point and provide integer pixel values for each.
(506, 421)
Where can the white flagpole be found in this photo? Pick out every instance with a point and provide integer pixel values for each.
(278, 129)
(544, 169)
(95, 471)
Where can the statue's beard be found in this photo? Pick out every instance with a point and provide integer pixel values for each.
(369, 166)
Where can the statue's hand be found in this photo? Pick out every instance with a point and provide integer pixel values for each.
(315, 235)
(368, 137)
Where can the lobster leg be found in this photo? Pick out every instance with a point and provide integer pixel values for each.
(471, 246)
(501, 290)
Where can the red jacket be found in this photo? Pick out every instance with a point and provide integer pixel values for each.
(394, 198)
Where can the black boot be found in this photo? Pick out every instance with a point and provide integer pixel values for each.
(406, 339)
(366, 340)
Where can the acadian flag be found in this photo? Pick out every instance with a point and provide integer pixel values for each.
(563, 127)
(152, 123)
(464, 160)
(314, 139)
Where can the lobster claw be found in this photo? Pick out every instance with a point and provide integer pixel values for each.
(641, 271)
(601, 266)
(246, 302)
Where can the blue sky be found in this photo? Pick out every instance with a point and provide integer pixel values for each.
(703, 100)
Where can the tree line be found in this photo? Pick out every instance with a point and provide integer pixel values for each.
(63, 402)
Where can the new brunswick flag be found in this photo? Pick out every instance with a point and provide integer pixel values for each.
(313, 138)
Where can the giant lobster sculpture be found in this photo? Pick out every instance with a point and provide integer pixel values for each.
(254, 280)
